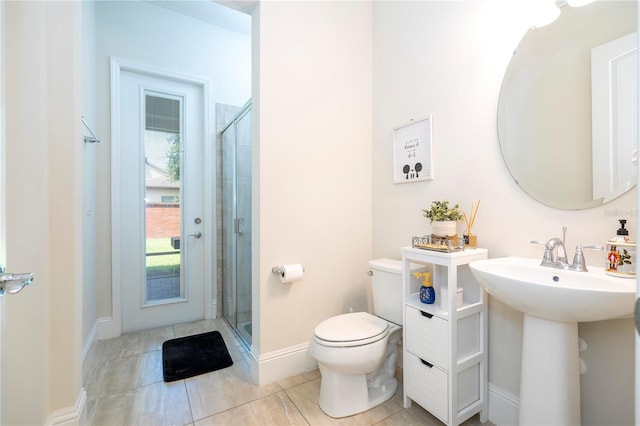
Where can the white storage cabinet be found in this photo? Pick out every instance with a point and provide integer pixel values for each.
(445, 345)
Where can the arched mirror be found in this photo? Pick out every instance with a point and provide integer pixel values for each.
(567, 116)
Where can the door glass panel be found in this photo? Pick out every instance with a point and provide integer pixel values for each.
(243, 240)
(236, 224)
(163, 160)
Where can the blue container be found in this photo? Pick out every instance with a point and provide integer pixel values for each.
(427, 294)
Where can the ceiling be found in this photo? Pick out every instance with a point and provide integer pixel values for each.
(232, 15)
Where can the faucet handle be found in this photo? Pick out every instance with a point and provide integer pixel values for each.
(547, 257)
(579, 263)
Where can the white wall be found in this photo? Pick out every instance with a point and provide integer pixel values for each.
(153, 36)
(89, 302)
(447, 59)
(312, 182)
(43, 324)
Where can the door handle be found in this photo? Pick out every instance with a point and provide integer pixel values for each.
(239, 222)
(196, 235)
(13, 283)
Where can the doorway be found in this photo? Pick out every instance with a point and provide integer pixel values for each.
(158, 202)
(236, 223)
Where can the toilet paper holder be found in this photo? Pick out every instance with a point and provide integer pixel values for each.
(279, 270)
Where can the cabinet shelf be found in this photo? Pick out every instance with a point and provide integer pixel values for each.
(437, 310)
(445, 344)
(469, 360)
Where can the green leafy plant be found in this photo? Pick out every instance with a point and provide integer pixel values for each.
(440, 211)
(173, 158)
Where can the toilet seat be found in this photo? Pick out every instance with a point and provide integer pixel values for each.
(353, 329)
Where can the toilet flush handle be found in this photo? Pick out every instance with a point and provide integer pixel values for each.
(370, 273)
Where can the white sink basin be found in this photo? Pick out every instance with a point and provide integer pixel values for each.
(556, 294)
(553, 302)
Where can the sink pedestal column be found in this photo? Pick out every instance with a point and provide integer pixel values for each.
(550, 377)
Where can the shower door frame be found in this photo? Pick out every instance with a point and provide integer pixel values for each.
(230, 314)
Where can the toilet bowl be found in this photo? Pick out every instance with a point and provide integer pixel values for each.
(357, 352)
(357, 355)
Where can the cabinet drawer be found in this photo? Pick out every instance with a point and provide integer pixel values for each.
(427, 337)
(426, 385)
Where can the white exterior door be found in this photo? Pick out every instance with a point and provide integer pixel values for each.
(161, 201)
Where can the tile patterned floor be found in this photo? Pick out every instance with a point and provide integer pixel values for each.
(125, 387)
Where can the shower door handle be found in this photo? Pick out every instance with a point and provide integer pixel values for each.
(239, 222)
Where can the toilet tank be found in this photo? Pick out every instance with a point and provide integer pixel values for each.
(386, 287)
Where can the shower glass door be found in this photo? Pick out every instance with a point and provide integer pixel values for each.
(236, 224)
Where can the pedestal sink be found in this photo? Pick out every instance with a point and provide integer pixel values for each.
(553, 301)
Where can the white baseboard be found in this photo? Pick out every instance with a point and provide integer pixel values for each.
(504, 406)
(213, 313)
(105, 328)
(72, 416)
(90, 340)
(283, 363)
(277, 365)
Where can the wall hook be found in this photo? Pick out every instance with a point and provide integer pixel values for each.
(87, 139)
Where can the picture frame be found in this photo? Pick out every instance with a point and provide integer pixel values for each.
(413, 151)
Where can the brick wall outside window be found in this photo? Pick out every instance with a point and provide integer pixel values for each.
(163, 220)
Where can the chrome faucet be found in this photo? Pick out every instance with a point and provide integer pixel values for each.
(559, 261)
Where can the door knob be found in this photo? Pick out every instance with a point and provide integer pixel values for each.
(196, 235)
(13, 283)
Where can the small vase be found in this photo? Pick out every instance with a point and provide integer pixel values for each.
(446, 228)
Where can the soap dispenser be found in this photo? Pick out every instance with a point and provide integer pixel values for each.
(427, 294)
(621, 254)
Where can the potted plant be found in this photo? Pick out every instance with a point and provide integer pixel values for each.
(443, 218)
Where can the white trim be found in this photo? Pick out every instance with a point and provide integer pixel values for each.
(75, 415)
(116, 262)
(504, 406)
(280, 364)
(106, 328)
(89, 341)
(209, 205)
(117, 66)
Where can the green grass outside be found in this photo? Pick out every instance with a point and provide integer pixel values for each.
(162, 265)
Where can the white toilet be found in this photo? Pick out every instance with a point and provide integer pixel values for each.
(357, 352)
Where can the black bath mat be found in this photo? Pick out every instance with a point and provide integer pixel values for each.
(192, 355)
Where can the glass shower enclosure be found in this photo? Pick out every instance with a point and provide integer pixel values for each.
(236, 223)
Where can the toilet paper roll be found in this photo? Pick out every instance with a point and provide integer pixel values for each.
(291, 273)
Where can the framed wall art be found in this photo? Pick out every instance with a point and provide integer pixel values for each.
(413, 152)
